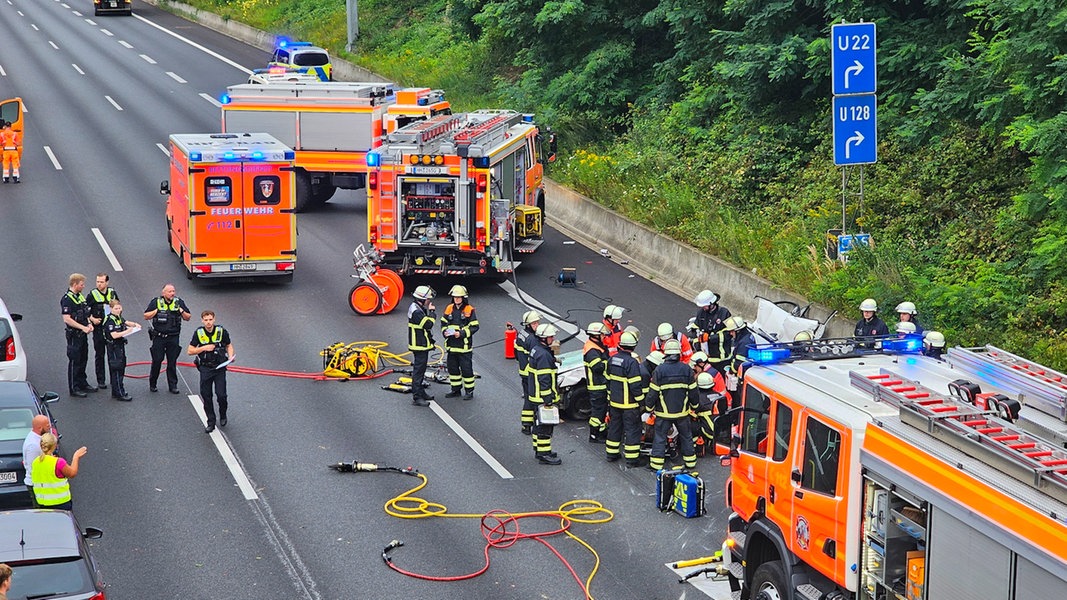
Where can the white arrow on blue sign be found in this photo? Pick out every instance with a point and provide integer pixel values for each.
(852, 59)
(855, 130)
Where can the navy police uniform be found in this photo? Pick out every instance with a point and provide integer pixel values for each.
(74, 304)
(165, 332)
(97, 300)
(212, 376)
(116, 354)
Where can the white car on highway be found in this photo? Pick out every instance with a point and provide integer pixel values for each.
(12, 356)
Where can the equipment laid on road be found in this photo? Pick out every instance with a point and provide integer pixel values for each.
(457, 194)
(355, 360)
(681, 491)
(866, 471)
(230, 205)
(329, 125)
(378, 290)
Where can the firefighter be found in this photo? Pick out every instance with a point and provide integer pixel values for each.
(212, 348)
(524, 341)
(75, 314)
(710, 318)
(700, 364)
(10, 142)
(166, 313)
(934, 344)
(543, 391)
(741, 341)
(870, 324)
(666, 331)
(671, 395)
(625, 396)
(904, 328)
(100, 297)
(909, 314)
(458, 325)
(710, 395)
(115, 329)
(613, 324)
(421, 319)
(595, 356)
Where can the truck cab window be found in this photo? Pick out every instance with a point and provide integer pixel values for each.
(822, 453)
(754, 421)
(783, 429)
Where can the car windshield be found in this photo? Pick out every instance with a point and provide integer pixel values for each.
(50, 579)
(15, 423)
(311, 59)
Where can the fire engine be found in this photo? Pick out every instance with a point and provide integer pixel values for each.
(866, 471)
(330, 125)
(457, 194)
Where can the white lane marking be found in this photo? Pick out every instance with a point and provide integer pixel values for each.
(126, 44)
(226, 452)
(77, 13)
(35, 28)
(107, 33)
(53, 45)
(52, 157)
(163, 148)
(113, 103)
(246, 70)
(20, 13)
(532, 302)
(211, 99)
(176, 77)
(3, 73)
(473, 443)
(148, 59)
(78, 69)
(64, 5)
(90, 21)
(107, 249)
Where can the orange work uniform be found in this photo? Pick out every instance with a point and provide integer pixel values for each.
(10, 142)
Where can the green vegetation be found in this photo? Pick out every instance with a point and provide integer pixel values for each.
(709, 120)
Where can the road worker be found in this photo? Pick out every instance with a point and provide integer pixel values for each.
(543, 391)
(421, 319)
(625, 397)
(908, 313)
(671, 394)
(712, 339)
(10, 141)
(459, 324)
(595, 357)
(665, 332)
(934, 344)
(870, 324)
(524, 341)
(613, 324)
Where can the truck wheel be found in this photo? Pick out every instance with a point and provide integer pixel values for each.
(365, 299)
(768, 582)
(322, 192)
(304, 198)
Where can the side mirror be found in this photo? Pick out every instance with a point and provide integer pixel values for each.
(164, 188)
(92, 533)
(16, 316)
(49, 397)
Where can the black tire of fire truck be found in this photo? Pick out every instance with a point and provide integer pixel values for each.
(304, 198)
(541, 205)
(768, 582)
(576, 405)
(322, 192)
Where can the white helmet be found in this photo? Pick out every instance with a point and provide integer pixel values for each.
(596, 328)
(905, 327)
(698, 357)
(628, 340)
(803, 336)
(608, 310)
(734, 323)
(655, 357)
(869, 304)
(907, 307)
(935, 339)
(672, 348)
(706, 298)
(546, 330)
(458, 291)
(665, 331)
(705, 380)
(530, 317)
(423, 292)
(613, 312)
(634, 330)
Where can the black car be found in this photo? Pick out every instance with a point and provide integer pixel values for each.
(19, 403)
(49, 556)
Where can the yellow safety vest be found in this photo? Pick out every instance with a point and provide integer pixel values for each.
(49, 489)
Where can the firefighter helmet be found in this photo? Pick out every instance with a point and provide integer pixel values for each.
(655, 357)
(458, 291)
(423, 292)
(705, 381)
(628, 340)
(634, 330)
(905, 327)
(706, 298)
(869, 305)
(613, 312)
(665, 331)
(672, 348)
(734, 323)
(698, 357)
(596, 328)
(803, 336)
(907, 307)
(935, 339)
(546, 330)
(530, 317)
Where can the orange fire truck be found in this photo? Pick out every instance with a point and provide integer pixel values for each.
(230, 205)
(330, 125)
(457, 194)
(880, 474)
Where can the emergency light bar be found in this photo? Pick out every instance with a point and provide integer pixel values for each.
(908, 344)
(240, 154)
(374, 159)
(771, 354)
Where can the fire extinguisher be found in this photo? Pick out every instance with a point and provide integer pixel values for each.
(509, 340)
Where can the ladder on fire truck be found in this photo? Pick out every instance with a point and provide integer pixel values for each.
(980, 433)
(478, 131)
(1040, 386)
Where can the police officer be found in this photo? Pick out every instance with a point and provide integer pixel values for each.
(595, 357)
(671, 394)
(166, 313)
(870, 324)
(75, 314)
(710, 319)
(98, 300)
(212, 347)
(115, 330)
(459, 324)
(543, 391)
(524, 342)
(625, 396)
(421, 318)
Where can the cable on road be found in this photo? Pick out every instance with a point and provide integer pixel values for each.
(500, 528)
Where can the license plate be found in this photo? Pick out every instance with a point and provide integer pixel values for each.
(9, 477)
(114, 5)
(429, 170)
(243, 267)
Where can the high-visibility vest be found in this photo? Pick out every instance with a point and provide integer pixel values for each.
(216, 356)
(49, 489)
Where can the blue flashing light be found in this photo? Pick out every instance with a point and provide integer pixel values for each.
(257, 155)
(527, 118)
(906, 344)
(424, 101)
(481, 162)
(768, 356)
(282, 42)
(195, 156)
(290, 155)
(374, 159)
(225, 98)
(228, 156)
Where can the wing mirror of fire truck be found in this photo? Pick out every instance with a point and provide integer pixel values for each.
(164, 188)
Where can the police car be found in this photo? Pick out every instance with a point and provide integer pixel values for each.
(281, 75)
(302, 57)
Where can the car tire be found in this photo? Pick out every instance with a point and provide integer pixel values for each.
(768, 582)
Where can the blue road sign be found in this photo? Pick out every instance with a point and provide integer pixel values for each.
(845, 243)
(852, 59)
(855, 130)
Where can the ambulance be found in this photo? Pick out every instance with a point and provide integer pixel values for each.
(230, 207)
